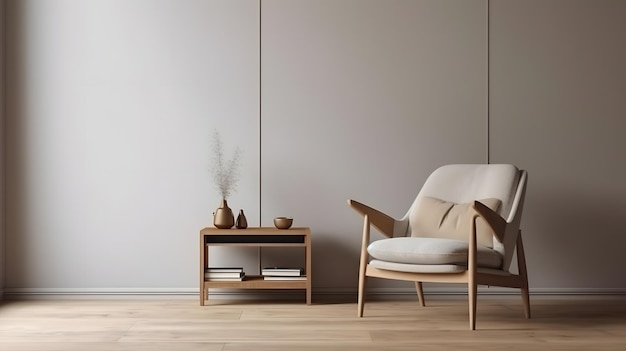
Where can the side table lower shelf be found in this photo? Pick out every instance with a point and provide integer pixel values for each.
(255, 237)
(257, 282)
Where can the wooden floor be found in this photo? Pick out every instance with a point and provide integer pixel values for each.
(148, 324)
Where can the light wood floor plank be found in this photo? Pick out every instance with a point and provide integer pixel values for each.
(58, 330)
(253, 332)
(110, 346)
(181, 325)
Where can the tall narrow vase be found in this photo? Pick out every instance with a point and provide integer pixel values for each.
(223, 217)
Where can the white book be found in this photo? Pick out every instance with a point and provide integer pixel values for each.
(226, 279)
(283, 272)
(224, 270)
(277, 278)
(212, 275)
(286, 269)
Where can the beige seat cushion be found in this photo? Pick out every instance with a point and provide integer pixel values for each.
(435, 218)
(418, 268)
(431, 251)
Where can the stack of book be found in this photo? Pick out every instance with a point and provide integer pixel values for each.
(278, 273)
(224, 274)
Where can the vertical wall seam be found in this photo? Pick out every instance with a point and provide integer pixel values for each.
(3, 109)
(259, 251)
(488, 87)
(260, 122)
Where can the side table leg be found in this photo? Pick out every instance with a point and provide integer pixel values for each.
(204, 260)
(309, 274)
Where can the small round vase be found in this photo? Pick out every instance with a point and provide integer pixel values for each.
(223, 217)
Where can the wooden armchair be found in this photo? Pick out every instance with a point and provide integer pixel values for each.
(463, 227)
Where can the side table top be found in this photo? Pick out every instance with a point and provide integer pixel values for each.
(256, 231)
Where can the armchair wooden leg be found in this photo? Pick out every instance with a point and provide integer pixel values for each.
(361, 297)
(521, 266)
(471, 292)
(471, 276)
(420, 293)
(363, 265)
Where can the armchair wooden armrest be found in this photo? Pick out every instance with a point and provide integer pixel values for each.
(495, 221)
(381, 221)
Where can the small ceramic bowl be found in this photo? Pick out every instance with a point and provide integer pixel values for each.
(283, 222)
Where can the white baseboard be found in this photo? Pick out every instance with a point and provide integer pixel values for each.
(318, 293)
(99, 291)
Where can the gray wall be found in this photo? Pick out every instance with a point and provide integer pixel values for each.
(2, 222)
(363, 99)
(112, 108)
(558, 109)
(111, 105)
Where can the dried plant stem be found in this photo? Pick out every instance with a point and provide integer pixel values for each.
(225, 172)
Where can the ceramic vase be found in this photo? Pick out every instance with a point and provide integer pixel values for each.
(242, 222)
(223, 217)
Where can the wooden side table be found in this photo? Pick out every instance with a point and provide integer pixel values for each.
(256, 237)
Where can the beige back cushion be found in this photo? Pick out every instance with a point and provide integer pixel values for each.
(435, 218)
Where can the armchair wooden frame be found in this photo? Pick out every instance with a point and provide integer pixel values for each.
(473, 276)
